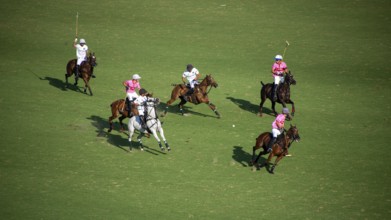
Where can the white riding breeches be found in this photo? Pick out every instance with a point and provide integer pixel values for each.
(80, 60)
(276, 132)
(131, 95)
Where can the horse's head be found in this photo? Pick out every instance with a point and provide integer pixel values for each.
(293, 133)
(289, 79)
(92, 59)
(210, 81)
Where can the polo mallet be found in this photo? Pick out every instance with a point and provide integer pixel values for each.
(286, 46)
(77, 20)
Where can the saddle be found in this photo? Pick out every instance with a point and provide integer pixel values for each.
(190, 96)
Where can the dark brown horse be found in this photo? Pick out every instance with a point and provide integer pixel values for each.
(283, 94)
(85, 71)
(118, 108)
(200, 95)
(280, 148)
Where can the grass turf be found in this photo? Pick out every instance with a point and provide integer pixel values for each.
(55, 164)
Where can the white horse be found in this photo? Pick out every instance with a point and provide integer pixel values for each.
(152, 122)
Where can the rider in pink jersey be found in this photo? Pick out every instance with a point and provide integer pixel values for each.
(277, 127)
(278, 69)
(131, 86)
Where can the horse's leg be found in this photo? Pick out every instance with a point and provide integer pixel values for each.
(261, 106)
(66, 80)
(160, 129)
(111, 118)
(131, 132)
(139, 141)
(263, 99)
(274, 108)
(267, 163)
(181, 104)
(293, 106)
(174, 96)
(87, 85)
(214, 109)
(275, 163)
(153, 130)
(122, 124)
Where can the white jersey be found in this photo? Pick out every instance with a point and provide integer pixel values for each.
(190, 76)
(140, 104)
(81, 51)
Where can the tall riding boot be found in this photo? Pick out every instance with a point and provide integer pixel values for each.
(270, 144)
(77, 71)
(142, 121)
(76, 74)
(190, 91)
(274, 92)
(128, 105)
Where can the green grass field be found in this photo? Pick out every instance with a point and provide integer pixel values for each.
(56, 164)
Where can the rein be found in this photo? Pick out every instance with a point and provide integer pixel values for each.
(149, 115)
(210, 86)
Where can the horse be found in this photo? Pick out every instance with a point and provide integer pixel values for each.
(118, 108)
(153, 125)
(279, 149)
(283, 94)
(200, 95)
(85, 71)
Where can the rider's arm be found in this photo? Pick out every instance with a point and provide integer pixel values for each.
(184, 79)
(75, 42)
(197, 76)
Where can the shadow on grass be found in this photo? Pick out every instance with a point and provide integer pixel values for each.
(245, 158)
(241, 156)
(174, 109)
(121, 140)
(248, 106)
(59, 84)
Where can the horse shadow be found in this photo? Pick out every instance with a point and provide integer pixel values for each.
(244, 158)
(174, 109)
(57, 83)
(246, 105)
(241, 156)
(118, 141)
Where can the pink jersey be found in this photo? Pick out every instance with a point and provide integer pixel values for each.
(131, 86)
(281, 119)
(278, 68)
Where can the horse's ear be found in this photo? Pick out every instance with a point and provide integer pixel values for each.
(291, 125)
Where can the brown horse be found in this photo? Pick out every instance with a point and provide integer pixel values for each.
(118, 108)
(85, 71)
(280, 148)
(283, 94)
(200, 95)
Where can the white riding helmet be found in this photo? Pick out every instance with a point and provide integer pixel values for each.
(136, 76)
(278, 57)
(82, 41)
